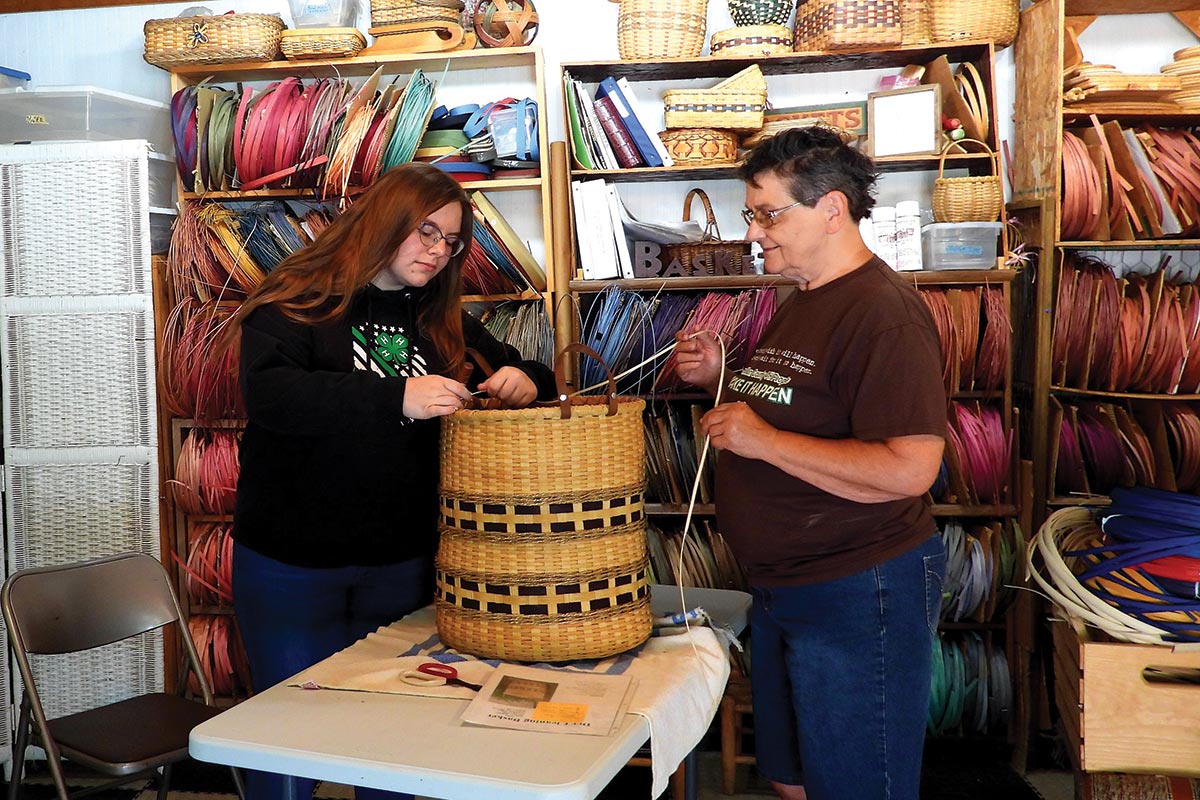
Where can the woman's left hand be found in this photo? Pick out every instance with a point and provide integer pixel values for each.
(511, 386)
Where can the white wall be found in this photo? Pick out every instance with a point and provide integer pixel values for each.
(103, 47)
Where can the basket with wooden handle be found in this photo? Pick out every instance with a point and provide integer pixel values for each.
(973, 198)
(712, 256)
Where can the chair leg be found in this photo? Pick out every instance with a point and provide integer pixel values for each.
(238, 783)
(18, 760)
(164, 782)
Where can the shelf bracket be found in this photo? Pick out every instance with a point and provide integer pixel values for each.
(1080, 24)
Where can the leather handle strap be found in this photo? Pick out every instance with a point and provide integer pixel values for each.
(711, 231)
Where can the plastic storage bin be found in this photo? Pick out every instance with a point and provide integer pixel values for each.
(74, 113)
(13, 79)
(959, 245)
(324, 13)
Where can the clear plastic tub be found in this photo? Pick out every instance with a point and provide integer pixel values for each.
(959, 245)
(324, 13)
(83, 113)
(13, 79)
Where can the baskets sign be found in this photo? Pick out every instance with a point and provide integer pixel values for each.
(650, 262)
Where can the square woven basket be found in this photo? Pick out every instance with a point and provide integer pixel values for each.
(736, 103)
(847, 24)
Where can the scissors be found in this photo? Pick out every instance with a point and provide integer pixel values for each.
(435, 674)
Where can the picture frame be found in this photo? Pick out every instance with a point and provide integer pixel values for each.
(903, 122)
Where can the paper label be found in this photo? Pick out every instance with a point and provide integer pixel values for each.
(559, 712)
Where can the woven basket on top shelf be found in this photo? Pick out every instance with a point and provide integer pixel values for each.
(975, 198)
(400, 12)
(736, 103)
(541, 557)
(914, 22)
(751, 40)
(650, 29)
(847, 24)
(225, 39)
(970, 20)
(760, 12)
(302, 43)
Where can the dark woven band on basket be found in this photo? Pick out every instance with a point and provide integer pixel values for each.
(722, 107)
(612, 591)
(542, 516)
(751, 40)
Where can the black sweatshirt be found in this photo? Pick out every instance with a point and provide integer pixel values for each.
(332, 472)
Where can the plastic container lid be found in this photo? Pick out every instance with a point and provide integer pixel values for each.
(883, 214)
(15, 73)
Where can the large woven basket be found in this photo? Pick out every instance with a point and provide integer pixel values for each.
(751, 40)
(713, 252)
(225, 39)
(847, 24)
(651, 29)
(700, 147)
(914, 22)
(976, 198)
(760, 12)
(736, 103)
(400, 12)
(962, 20)
(543, 536)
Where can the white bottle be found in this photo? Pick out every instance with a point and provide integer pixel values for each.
(867, 231)
(883, 223)
(908, 235)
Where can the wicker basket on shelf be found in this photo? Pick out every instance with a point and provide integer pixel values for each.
(974, 198)
(760, 12)
(751, 41)
(970, 20)
(301, 43)
(736, 103)
(700, 147)
(225, 39)
(914, 22)
(401, 12)
(847, 24)
(712, 249)
(541, 557)
(650, 29)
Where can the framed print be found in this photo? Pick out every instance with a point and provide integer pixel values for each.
(903, 122)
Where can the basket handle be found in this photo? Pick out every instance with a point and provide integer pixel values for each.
(946, 151)
(711, 231)
(560, 378)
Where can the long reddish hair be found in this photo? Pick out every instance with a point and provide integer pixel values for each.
(319, 282)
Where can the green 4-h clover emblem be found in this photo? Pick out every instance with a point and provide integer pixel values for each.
(393, 348)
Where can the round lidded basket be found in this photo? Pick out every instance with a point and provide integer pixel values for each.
(653, 29)
(751, 40)
(700, 147)
(543, 557)
(224, 39)
(975, 198)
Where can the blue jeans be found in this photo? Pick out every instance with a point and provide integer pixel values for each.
(292, 617)
(840, 677)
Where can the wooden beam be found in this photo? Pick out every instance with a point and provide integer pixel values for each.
(15, 6)
(1190, 20)
(1079, 24)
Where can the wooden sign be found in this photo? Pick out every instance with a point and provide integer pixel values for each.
(847, 116)
(648, 262)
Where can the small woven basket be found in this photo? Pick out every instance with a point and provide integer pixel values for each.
(700, 147)
(914, 22)
(225, 39)
(326, 43)
(760, 12)
(847, 24)
(401, 12)
(962, 20)
(543, 557)
(736, 103)
(968, 199)
(653, 29)
(751, 40)
(736, 251)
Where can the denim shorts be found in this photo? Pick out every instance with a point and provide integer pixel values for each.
(840, 675)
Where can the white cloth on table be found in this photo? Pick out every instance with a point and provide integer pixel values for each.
(680, 679)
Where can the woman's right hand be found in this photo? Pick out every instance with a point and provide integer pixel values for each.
(698, 359)
(430, 396)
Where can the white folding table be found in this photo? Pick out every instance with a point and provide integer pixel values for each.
(418, 744)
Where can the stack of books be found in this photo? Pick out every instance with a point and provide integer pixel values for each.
(610, 130)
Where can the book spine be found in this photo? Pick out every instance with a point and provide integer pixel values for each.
(618, 137)
(658, 155)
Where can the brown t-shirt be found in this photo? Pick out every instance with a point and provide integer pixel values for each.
(858, 357)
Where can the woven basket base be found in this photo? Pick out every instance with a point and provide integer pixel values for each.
(545, 637)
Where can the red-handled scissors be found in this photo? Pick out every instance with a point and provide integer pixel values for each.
(435, 674)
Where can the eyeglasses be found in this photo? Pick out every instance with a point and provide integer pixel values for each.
(766, 219)
(431, 234)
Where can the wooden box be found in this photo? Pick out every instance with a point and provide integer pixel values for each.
(1117, 721)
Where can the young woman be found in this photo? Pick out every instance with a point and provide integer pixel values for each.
(350, 351)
